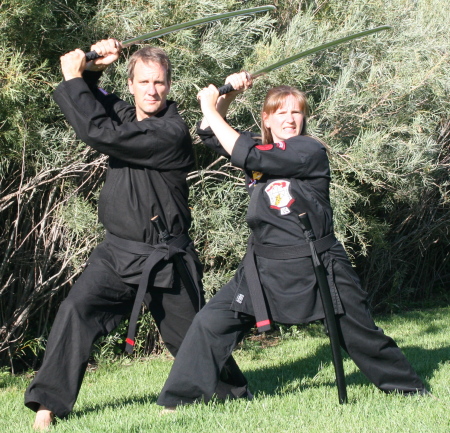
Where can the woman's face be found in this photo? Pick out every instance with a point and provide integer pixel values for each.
(286, 121)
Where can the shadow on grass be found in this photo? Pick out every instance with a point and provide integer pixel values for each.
(115, 403)
(301, 374)
(296, 375)
(426, 361)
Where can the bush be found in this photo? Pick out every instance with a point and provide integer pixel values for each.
(380, 102)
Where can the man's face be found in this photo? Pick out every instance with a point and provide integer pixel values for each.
(150, 88)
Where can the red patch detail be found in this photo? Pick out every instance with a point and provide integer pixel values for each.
(129, 341)
(281, 145)
(264, 146)
(287, 205)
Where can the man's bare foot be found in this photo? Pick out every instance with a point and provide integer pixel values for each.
(44, 419)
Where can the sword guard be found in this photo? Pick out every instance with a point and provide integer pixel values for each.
(249, 78)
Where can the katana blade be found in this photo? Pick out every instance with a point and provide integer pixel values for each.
(188, 24)
(182, 26)
(317, 49)
(228, 88)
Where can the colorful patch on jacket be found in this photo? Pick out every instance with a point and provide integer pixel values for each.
(281, 145)
(103, 91)
(279, 196)
(256, 175)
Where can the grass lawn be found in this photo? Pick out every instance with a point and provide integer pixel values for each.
(292, 378)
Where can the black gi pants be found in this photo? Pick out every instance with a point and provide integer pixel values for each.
(217, 330)
(94, 307)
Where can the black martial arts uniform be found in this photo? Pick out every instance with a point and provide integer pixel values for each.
(284, 180)
(146, 176)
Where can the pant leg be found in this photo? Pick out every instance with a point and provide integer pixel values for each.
(376, 354)
(95, 305)
(208, 344)
(173, 312)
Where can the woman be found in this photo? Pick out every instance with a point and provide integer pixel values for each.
(287, 173)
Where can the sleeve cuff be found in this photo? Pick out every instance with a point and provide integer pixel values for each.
(92, 76)
(204, 133)
(241, 150)
(65, 87)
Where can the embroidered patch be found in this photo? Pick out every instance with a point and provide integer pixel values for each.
(257, 175)
(103, 91)
(239, 298)
(279, 196)
(281, 145)
(264, 146)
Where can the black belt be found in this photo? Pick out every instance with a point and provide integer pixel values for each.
(155, 253)
(276, 253)
(295, 251)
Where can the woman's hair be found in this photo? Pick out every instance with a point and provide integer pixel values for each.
(274, 99)
(150, 54)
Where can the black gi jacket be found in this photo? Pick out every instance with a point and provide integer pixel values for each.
(147, 167)
(284, 180)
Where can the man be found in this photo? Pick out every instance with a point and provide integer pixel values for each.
(150, 153)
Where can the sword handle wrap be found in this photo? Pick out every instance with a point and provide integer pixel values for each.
(305, 224)
(159, 225)
(227, 88)
(92, 55)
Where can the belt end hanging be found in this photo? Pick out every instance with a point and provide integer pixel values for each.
(263, 326)
(129, 347)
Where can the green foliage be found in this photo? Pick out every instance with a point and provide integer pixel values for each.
(380, 103)
(23, 89)
(219, 204)
(111, 348)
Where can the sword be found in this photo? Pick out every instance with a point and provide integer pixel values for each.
(228, 87)
(328, 309)
(91, 55)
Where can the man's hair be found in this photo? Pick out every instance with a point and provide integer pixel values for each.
(150, 54)
(274, 99)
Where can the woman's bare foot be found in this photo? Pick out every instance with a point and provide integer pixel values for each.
(44, 419)
(168, 409)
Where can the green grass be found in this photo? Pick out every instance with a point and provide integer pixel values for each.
(293, 381)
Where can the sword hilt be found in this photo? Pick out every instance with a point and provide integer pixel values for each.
(227, 88)
(92, 55)
(306, 226)
(164, 235)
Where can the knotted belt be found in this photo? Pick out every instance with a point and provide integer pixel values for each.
(276, 253)
(155, 253)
